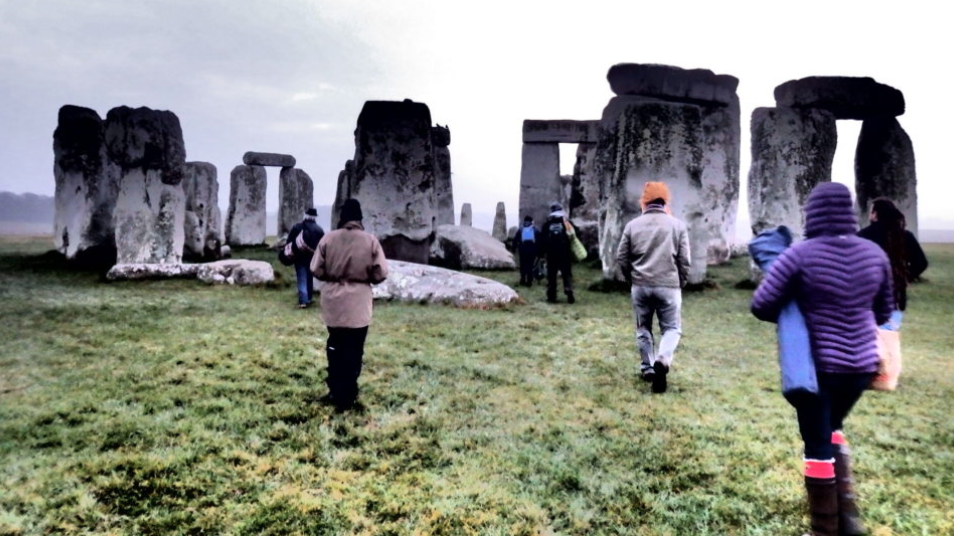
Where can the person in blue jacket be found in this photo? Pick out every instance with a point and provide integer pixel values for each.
(304, 237)
(525, 244)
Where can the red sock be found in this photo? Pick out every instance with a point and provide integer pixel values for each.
(821, 469)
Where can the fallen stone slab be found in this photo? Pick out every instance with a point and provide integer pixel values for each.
(846, 97)
(232, 272)
(252, 158)
(419, 283)
(671, 83)
(461, 247)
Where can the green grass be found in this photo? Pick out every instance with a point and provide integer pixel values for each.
(174, 407)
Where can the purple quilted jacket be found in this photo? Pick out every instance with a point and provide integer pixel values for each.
(842, 284)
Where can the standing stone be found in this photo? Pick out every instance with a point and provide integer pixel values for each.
(342, 192)
(203, 219)
(654, 141)
(296, 194)
(500, 223)
(87, 184)
(540, 181)
(245, 225)
(792, 151)
(150, 209)
(394, 177)
(443, 187)
(721, 150)
(466, 215)
(584, 198)
(884, 167)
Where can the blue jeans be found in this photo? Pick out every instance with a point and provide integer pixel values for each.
(306, 283)
(666, 304)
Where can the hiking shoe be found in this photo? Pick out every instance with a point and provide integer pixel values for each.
(302, 305)
(648, 376)
(659, 378)
(569, 298)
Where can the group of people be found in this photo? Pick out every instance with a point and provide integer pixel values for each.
(847, 283)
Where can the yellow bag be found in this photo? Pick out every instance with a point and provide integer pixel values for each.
(889, 354)
(576, 246)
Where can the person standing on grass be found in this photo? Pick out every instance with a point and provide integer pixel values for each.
(555, 244)
(904, 252)
(843, 286)
(653, 256)
(525, 244)
(348, 261)
(304, 237)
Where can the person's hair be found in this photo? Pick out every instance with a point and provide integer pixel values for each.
(657, 201)
(892, 221)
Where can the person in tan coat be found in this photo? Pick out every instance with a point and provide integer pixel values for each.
(348, 261)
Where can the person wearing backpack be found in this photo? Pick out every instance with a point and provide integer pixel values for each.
(525, 244)
(555, 244)
(304, 237)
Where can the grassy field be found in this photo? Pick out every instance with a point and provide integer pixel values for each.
(174, 407)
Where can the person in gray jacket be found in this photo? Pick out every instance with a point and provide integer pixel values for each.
(653, 256)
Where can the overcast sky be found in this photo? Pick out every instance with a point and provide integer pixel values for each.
(291, 76)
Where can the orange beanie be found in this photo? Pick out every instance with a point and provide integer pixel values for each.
(653, 191)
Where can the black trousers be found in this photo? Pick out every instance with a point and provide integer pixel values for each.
(345, 350)
(562, 264)
(819, 416)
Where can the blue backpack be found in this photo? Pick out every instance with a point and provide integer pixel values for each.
(527, 235)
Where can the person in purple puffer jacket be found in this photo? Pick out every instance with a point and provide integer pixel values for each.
(843, 286)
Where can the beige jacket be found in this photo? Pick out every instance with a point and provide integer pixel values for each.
(654, 250)
(348, 261)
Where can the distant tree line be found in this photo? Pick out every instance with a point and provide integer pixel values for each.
(26, 208)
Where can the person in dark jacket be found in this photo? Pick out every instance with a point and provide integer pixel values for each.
(842, 283)
(525, 244)
(304, 237)
(555, 244)
(907, 258)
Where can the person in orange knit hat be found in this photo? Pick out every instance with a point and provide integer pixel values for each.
(653, 256)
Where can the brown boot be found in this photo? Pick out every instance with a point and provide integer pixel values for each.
(822, 505)
(849, 519)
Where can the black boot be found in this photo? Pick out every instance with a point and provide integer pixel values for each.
(822, 505)
(849, 519)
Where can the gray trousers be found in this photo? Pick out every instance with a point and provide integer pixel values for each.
(666, 304)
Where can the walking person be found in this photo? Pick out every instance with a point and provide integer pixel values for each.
(304, 237)
(843, 286)
(908, 262)
(555, 244)
(348, 260)
(525, 244)
(653, 256)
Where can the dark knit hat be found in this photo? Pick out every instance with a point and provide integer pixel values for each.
(829, 211)
(527, 219)
(311, 212)
(350, 211)
(555, 207)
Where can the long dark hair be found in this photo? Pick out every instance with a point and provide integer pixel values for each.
(892, 221)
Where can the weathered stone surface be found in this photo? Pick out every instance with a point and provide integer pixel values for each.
(139, 272)
(792, 151)
(245, 225)
(252, 158)
(150, 209)
(466, 215)
(342, 191)
(846, 97)
(672, 83)
(150, 219)
(417, 283)
(203, 218)
(540, 181)
(460, 247)
(559, 131)
(87, 185)
(443, 185)
(584, 198)
(721, 149)
(296, 194)
(645, 141)
(394, 177)
(884, 167)
(236, 272)
(499, 230)
(147, 139)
